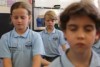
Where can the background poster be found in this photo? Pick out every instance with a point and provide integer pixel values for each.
(10, 2)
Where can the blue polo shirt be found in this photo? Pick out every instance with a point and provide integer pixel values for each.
(21, 48)
(52, 41)
(96, 47)
(63, 61)
(1, 63)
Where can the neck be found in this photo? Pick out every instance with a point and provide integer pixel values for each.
(80, 60)
(49, 30)
(20, 31)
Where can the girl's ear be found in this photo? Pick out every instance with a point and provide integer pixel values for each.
(11, 19)
(30, 18)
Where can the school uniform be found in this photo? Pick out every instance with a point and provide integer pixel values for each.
(96, 47)
(63, 61)
(21, 48)
(1, 63)
(51, 42)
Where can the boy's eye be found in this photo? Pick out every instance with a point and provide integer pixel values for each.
(88, 28)
(73, 28)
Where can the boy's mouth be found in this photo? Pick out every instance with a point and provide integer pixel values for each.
(80, 45)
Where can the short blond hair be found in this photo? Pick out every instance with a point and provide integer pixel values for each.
(51, 15)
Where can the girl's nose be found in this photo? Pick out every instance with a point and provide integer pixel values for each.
(19, 19)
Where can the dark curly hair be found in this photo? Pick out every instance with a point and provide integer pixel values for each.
(79, 9)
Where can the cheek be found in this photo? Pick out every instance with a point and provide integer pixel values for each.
(91, 39)
(70, 38)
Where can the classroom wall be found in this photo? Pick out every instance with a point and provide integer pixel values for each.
(5, 9)
(41, 3)
(50, 3)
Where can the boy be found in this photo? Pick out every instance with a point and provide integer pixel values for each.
(52, 38)
(80, 23)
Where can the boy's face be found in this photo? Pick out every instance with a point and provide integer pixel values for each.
(49, 23)
(20, 18)
(80, 33)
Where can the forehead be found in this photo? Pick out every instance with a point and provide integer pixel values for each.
(80, 20)
(19, 11)
(47, 17)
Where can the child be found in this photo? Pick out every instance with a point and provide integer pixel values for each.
(52, 38)
(21, 47)
(79, 22)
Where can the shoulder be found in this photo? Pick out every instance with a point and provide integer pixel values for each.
(6, 35)
(95, 58)
(35, 34)
(59, 32)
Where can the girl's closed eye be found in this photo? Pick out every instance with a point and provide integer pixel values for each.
(21, 17)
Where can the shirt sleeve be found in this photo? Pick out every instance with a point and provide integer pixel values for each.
(38, 47)
(4, 49)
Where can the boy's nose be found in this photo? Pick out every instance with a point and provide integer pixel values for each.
(80, 35)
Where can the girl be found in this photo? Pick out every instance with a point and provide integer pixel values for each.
(21, 47)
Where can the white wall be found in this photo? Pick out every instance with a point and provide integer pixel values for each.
(65, 3)
(51, 3)
(46, 3)
(42, 3)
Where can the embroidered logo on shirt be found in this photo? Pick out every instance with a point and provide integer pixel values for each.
(13, 49)
(28, 45)
(55, 38)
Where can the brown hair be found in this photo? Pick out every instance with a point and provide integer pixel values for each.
(21, 5)
(51, 15)
(79, 9)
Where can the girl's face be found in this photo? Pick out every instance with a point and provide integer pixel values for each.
(80, 33)
(20, 18)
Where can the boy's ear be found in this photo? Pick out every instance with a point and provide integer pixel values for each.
(97, 36)
(65, 34)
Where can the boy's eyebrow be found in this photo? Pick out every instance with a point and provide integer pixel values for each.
(89, 25)
(71, 25)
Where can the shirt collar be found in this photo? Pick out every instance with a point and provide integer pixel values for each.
(97, 45)
(15, 34)
(65, 61)
(93, 63)
(51, 32)
(94, 59)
